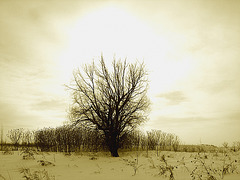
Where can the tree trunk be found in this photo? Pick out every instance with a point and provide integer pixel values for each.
(112, 143)
(114, 152)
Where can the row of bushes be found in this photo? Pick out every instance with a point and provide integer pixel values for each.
(69, 138)
(82, 138)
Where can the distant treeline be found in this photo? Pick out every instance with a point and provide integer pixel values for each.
(70, 138)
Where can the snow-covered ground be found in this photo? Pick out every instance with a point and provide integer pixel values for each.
(130, 165)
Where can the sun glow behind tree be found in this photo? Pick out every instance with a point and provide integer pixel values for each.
(114, 31)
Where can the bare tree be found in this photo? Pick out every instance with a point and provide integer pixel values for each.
(15, 136)
(27, 137)
(111, 101)
(176, 143)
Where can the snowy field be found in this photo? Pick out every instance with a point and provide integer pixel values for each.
(130, 165)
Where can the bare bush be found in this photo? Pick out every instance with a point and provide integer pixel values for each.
(134, 164)
(27, 153)
(45, 163)
(166, 169)
(27, 137)
(36, 175)
(15, 136)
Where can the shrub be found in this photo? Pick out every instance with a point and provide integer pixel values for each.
(165, 169)
(36, 175)
(45, 163)
(27, 153)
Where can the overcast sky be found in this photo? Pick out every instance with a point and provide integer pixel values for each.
(191, 50)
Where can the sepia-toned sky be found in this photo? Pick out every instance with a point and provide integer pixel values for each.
(191, 50)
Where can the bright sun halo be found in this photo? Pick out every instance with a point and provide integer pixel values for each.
(114, 31)
(110, 31)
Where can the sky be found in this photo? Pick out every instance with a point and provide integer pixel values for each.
(191, 50)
